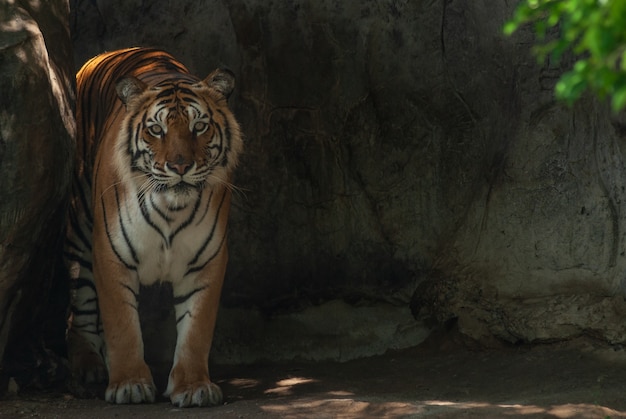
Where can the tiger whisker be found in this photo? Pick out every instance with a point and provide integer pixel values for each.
(230, 186)
(148, 186)
(121, 182)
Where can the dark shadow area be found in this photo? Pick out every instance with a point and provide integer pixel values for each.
(446, 377)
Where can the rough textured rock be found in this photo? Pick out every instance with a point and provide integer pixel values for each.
(398, 146)
(36, 150)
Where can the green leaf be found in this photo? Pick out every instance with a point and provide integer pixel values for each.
(509, 28)
(593, 30)
(570, 87)
(618, 101)
(599, 41)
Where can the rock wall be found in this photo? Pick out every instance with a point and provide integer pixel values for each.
(399, 154)
(36, 154)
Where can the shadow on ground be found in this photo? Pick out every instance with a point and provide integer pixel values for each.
(442, 379)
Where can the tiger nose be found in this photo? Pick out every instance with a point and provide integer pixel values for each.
(179, 166)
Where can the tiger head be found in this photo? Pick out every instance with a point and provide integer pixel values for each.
(180, 133)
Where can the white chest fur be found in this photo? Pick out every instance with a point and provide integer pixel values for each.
(164, 236)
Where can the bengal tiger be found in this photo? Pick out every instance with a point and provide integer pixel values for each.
(157, 148)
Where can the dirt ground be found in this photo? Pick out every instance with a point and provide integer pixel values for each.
(440, 379)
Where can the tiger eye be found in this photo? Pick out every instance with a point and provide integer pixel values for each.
(199, 126)
(156, 130)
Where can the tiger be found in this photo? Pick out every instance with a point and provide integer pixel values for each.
(156, 153)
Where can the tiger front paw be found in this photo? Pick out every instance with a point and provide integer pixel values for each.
(88, 368)
(204, 393)
(88, 372)
(131, 391)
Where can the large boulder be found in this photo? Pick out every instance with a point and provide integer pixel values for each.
(399, 154)
(36, 154)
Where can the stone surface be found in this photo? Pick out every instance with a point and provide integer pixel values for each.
(401, 153)
(331, 331)
(36, 154)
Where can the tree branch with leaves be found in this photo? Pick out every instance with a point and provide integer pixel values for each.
(593, 30)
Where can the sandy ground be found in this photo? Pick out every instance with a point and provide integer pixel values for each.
(441, 379)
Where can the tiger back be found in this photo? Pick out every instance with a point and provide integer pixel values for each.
(157, 148)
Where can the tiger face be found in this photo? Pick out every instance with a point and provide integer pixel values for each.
(180, 138)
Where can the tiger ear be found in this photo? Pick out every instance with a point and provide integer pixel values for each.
(129, 87)
(222, 80)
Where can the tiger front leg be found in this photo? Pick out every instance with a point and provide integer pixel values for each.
(130, 380)
(85, 345)
(196, 305)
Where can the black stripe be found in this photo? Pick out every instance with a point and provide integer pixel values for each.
(136, 295)
(81, 283)
(185, 314)
(133, 253)
(84, 196)
(78, 232)
(208, 240)
(83, 243)
(88, 328)
(207, 106)
(146, 216)
(71, 255)
(134, 141)
(93, 300)
(166, 92)
(129, 138)
(159, 211)
(185, 91)
(210, 236)
(227, 129)
(85, 313)
(110, 238)
(189, 219)
(200, 267)
(190, 100)
(206, 208)
(183, 298)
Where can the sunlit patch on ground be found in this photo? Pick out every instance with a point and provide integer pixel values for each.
(340, 408)
(244, 383)
(519, 410)
(350, 408)
(286, 386)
